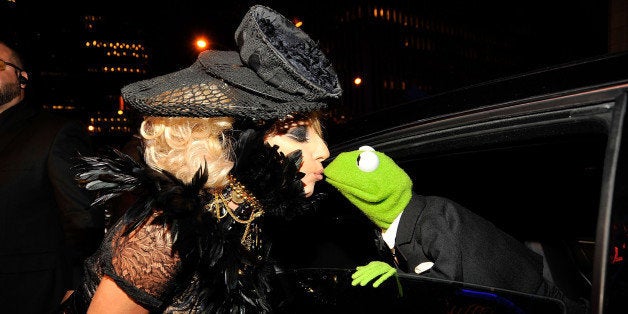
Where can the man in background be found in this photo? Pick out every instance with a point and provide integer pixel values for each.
(46, 226)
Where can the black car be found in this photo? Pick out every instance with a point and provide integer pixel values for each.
(541, 155)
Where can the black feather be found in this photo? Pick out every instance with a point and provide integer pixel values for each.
(273, 178)
(231, 278)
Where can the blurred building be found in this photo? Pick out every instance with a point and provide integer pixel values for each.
(112, 54)
(78, 61)
(400, 50)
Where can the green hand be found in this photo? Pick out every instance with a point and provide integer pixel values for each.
(364, 274)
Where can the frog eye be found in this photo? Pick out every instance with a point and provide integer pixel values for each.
(368, 161)
(366, 148)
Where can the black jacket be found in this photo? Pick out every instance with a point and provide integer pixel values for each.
(45, 223)
(464, 247)
(468, 248)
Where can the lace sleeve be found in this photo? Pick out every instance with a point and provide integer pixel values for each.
(144, 260)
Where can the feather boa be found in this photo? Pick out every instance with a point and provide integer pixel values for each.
(232, 278)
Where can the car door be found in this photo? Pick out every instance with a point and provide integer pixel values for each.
(548, 171)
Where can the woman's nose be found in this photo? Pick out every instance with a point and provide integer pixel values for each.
(322, 151)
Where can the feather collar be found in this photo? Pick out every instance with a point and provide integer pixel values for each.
(232, 276)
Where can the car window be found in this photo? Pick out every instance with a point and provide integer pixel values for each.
(548, 170)
(538, 177)
(536, 169)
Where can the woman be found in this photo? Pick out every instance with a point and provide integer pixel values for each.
(229, 143)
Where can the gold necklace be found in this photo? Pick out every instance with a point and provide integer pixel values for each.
(238, 194)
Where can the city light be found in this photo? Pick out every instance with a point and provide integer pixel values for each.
(357, 81)
(202, 44)
(297, 22)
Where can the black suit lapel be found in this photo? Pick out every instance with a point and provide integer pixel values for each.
(408, 221)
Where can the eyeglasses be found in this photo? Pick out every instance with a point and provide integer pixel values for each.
(3, 66)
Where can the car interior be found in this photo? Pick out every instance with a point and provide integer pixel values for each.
(538, 183)
(536, 177)
(537, 168)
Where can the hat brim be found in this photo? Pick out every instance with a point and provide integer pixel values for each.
(217, 84)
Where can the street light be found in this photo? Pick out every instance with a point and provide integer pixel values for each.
(201, 43)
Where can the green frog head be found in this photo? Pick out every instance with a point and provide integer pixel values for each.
(373, 182)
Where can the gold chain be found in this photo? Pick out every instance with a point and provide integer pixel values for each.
(219, 206)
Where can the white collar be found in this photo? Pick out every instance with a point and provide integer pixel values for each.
(391, 233)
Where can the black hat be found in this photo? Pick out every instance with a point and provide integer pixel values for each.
(278, 71)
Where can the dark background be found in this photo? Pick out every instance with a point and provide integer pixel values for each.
(548, 32)
(457, 43)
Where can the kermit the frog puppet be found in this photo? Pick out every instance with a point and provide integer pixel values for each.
(430, 235)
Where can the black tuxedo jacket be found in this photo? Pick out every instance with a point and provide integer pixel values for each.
(465, 247)
(45, 221)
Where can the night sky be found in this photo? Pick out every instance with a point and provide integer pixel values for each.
(565, 29)
(562, 30)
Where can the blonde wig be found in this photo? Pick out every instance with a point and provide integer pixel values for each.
(183, 145)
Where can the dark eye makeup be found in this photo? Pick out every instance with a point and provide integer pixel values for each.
(298, 133)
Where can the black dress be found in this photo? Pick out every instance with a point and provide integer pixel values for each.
(170, 251)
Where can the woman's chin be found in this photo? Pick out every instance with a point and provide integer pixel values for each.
(308, 190)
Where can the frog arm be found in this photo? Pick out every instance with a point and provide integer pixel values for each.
(375, 270)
